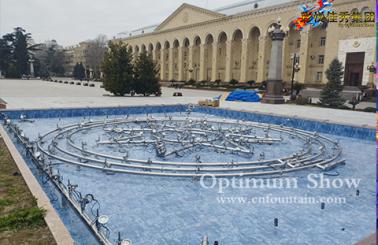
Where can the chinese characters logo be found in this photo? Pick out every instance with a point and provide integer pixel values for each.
(322, 12)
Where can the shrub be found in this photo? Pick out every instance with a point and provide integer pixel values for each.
(251, 82)
(203, 82)
(300, 100)
(218, 82)
(233, 82)
(370, 109)
(191, 82)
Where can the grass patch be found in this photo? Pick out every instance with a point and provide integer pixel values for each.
(5, 202)
(28, 218)
(21, 221)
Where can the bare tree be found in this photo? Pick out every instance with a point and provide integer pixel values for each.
(94, 54)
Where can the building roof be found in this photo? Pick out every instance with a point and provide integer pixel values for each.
(228, 10)
(189, 6)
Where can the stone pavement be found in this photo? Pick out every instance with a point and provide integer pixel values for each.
(27, 94)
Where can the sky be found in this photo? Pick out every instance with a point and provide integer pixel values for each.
(72, 21)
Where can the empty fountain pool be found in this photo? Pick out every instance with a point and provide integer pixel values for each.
(177, 174)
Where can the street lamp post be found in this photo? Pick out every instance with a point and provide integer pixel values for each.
(372, 69)
(296, 68)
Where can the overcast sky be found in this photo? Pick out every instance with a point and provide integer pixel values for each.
(72, 21)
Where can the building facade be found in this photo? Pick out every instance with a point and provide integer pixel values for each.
(75, 55)
(200, 44)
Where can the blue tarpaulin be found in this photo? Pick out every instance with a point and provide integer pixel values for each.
(243, 95)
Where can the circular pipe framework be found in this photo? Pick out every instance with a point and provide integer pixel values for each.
(169, 138)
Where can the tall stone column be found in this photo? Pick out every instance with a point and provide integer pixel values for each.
(190, 66)
(227, 77)
(162, 69)
(303, 54)
(244, 61)
(274, 86)
(261, 59)
(214, 61)
(180, 64)
(202, 62)
(331, 49)
(170, 63)
(153, 55)
(31, 61)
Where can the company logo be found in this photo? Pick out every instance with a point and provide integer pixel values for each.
(322, 12)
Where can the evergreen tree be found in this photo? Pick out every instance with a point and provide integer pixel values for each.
(331, 94)
(23, 50)
(75, 72)
(5, 54)
(16, 50)
(118, 70)
(81, 72)
(145, 72)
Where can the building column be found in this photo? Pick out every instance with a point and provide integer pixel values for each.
(162, 70)
(303, 54)
(227, 77)
(261, 59)
(154, 55)
(170, 64)
(214, 61)
(244, 61)
(202, 75)
(331, 50)
(180, 64)
(190, 65)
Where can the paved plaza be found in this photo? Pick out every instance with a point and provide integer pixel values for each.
(27, 94)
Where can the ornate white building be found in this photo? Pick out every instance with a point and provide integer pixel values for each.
(233, 43)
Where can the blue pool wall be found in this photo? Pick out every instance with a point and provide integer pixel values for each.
(364, 133)
(79, 230)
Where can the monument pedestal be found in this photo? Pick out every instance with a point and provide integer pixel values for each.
(274, 83)
(274, 87)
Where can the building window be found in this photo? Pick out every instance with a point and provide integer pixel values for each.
(298, 43)
(319, 76)
(322, 41)
(321, 59)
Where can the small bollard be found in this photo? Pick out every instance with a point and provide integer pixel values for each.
(275, 222)
(322, 205)
(358, 193)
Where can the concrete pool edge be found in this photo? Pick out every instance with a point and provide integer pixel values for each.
(328, 121)
(59, 231)
(303, 118)
(370, 240)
